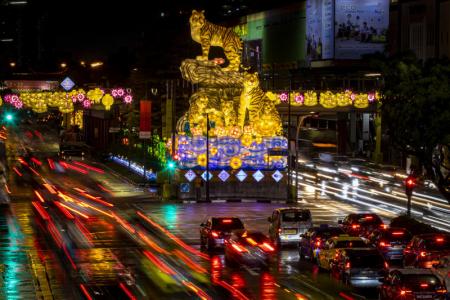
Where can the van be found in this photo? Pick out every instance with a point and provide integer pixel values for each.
(288, 224)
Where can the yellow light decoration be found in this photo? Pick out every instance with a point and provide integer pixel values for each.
(259, 139)
(196, 130)
(246, 140)
(107, 101)
(235, 132)
(235, 162)
(66, 107)
(343, 99)
(77, 119)
(213, 151)
(201, 160)
(310, 98)
(95, 95)
(361, 101)
(248, 129)
(327, 99)
(221, 131)
(1, 100)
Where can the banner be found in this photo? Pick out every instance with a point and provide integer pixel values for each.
(145, 119)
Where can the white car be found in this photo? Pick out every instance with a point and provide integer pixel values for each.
(442, 270)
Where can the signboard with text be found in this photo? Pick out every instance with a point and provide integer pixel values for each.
(145, 115)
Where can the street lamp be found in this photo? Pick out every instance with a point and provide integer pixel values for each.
(63, 65)
(12, 64)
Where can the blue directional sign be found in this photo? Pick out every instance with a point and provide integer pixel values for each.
(185, 187)
(67, 84)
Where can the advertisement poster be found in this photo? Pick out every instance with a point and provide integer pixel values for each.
(360, 27)
(319, 29)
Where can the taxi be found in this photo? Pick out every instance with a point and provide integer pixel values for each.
(330, 251)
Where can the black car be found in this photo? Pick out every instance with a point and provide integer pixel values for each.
(361, 224)
(391, 241)
(314, 239)
(215, 231)
(361, 268)
(411, 284)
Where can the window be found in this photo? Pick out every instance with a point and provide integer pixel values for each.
(296, 216)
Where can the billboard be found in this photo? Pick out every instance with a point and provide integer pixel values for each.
(345, 29)
(360, 27)
(319, 29)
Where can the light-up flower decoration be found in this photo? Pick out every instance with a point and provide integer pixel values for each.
(371, 97)
(95, 95)
(121, 92)
(283, 97)
(87, 103)
(128, 99)
(299, 98)
(235, 162)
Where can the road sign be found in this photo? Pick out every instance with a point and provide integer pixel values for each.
(185, 187)
(67, 84)
(277, 176)
(145, 135)
(258, 175)
(241, 175)
(114, 129)
(190, 175)
(224, 175)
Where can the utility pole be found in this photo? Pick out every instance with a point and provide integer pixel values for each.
(289, 161)
(207, 159)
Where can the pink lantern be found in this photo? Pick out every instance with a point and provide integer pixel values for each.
(87, 103)
(114, 93)
(128, 99)
(8, 98)
(283, 97)
(299, 98)
(14, 98)
(353, 96)
(120, 92)
(371, 97)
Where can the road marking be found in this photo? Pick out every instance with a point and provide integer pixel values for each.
(253, 273)
(328, 296)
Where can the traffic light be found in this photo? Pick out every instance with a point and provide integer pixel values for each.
(410, 182)
(171, 165)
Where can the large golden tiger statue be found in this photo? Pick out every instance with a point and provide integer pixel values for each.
(262, 113)
(208, 34)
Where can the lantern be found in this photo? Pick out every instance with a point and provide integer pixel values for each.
(107, 101)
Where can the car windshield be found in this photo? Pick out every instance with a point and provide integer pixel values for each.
(227, 224)
(371, 260)
(296, 216)
(325, 234)
(350, 244)
(437, 244)
(420, 282)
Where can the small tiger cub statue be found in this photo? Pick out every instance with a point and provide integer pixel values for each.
(208, 34)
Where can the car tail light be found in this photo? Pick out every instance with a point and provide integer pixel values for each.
(424, 285)
(214, 234)
(383, 244)
(279, 230)
(398, 233)
(369, 217)
(251, 241)
(227, 221)
(439, 240)
(404, 292)
(239, 248)
(318, 242)
(267, 247)
(355, 226)
(384, 226)
(348, 265)
(441, 291)
(423, 253)
(386, 265)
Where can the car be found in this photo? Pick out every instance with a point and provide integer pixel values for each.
(251, 248)
(411, 283)
(361, 224)
(425, 250)
(314, 239)
(216, 230)
(287, 224)
(361, 268)
(391, 241)
(442, 271)
(328, 253)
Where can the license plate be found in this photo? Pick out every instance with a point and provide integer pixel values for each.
(397, 247)
(290, 231)
(396, 257)
(427, 296)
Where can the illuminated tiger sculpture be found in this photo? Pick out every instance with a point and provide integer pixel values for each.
(262, 113)
(208, 34)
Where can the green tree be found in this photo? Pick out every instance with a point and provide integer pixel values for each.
(416, 112)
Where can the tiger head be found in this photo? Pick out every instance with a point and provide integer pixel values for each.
(197, 19)
(251, 80)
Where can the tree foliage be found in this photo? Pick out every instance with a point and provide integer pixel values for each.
(416, 112)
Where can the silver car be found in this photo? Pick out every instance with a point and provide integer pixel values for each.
(288, 224)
